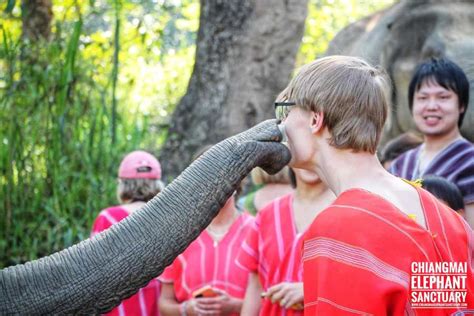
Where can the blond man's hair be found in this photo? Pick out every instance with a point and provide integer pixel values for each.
(282, 96)
(352, 95)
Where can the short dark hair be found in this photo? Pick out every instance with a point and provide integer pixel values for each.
(447, 74)
(444, 190)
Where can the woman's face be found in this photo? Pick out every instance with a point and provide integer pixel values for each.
(297, 127)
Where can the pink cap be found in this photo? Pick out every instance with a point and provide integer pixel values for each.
(139, 165)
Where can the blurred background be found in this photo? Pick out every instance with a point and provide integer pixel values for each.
(82, 82)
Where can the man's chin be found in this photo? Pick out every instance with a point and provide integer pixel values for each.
(295, 163)
(433, 133)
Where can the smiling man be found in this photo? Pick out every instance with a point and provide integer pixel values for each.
(438, 99)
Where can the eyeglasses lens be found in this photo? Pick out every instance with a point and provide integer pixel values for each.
(282, 109)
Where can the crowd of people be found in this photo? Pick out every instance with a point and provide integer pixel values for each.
(337, 231)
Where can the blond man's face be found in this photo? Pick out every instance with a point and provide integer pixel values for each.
(300, 138)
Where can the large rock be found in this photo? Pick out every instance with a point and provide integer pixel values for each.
(401, 36)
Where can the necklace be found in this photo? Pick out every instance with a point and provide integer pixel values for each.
(218, 235)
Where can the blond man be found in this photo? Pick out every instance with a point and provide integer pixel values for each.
(359, 252)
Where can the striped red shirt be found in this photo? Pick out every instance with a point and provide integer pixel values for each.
(358, 255)
(205, 262)
(145, 302)
(272, 249)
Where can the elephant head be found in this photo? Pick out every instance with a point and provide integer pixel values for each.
(405, 34)
(97, 274)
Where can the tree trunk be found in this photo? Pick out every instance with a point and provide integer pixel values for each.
(244, 56)
(401, 37)
(36, 18)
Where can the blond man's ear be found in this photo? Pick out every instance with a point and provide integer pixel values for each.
(317, 122)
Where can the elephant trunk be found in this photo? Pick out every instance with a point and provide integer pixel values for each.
(97, 274)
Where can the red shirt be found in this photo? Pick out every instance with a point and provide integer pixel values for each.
(145, 301)
(358, 255)
(205, 262)
(272, 249)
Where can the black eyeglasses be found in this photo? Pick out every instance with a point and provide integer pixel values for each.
(282, 109)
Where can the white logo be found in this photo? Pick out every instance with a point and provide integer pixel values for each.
(438, 284)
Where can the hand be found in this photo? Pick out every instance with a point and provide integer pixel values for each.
(223, 304)
(190, 307)
(289, 295)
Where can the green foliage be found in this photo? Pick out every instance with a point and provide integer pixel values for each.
(58, 160)
(327, 17)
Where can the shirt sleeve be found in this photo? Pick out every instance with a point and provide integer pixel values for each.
(465, 182)
(248, 256)
(169, 274)
(101, 223)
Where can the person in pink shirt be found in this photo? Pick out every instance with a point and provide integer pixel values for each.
(139, 181)
(209, 261)
(272, 250)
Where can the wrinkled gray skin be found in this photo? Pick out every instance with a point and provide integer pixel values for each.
(96, 274)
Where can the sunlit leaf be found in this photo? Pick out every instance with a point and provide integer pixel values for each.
(10, 6)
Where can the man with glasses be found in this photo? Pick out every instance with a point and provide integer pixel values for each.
(271, 252)
(358, 253)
